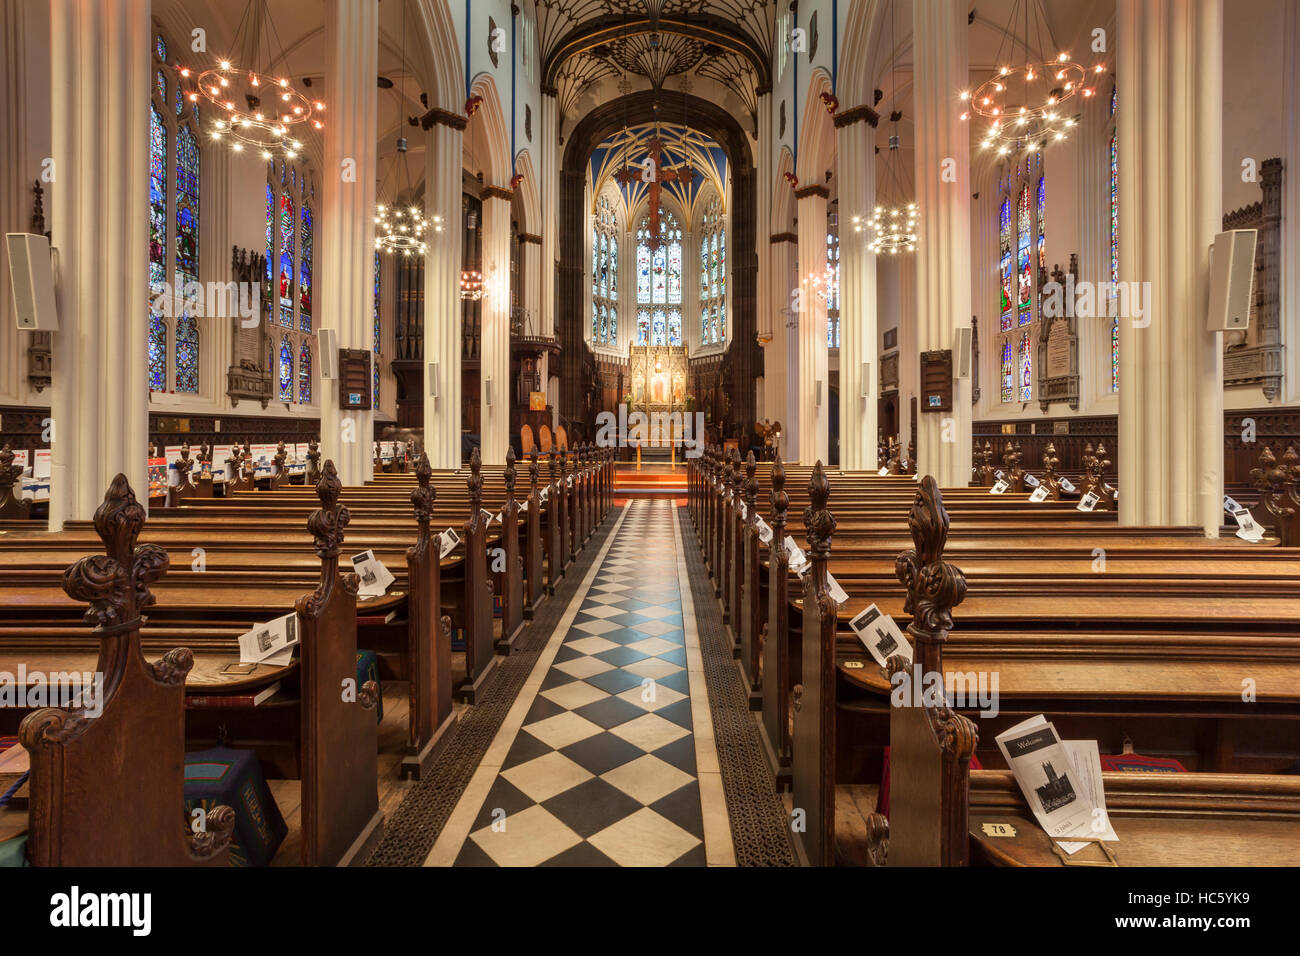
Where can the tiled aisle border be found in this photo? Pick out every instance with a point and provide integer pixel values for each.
(456, 830)
(718, 849)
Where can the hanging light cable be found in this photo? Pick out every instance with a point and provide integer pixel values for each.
(400, 224)
(893, 220)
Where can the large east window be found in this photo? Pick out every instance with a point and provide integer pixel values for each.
(659, 283)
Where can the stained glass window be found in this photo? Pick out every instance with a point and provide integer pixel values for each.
(1026, 267)
(1114, 213)
(1005, 307)
(1114, 355)
(304, 269)
(1022, 256)
(270, 248)
(157, 201)
(604, 276)
(187, 205)
(161, 82)
(1041, 213)
(643, 328)
(713, 274)
(286, 370)
(659, 328)
(157, 354)
(187, 354)
(157, 247)
(1026, 369)
(304, 374)
(286, 259)
(832, 282)
(160, 47)
(660, 268)
(642, 272)
(675, 327)
(377, 334)
(1008, 373)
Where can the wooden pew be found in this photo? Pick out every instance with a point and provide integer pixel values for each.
(108, 790)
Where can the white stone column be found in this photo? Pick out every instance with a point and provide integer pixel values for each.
(347, 228)
(1170, 74)
(858, 332)
(494, 368)
(943, 188)
(549, 182)
(1289, 266)
(442, 304)
(909, 363)
(810, 399)
(777, 360)
(17, 173)
(767, 319)
(217, 334)
(100, 230)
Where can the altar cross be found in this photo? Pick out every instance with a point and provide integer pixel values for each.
(658, 175)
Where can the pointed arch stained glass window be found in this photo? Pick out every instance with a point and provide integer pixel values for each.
(286, 259)
(642, 273)
(675, 327)
(1114, 356)
(187, 354)
(286, 370)
(713, 274)
(157, 354)
(1025, 265)
(270, 249)
(1041, 214)
(613, 268)
(1006, 308)
(187, 205)
(306, 227)
(1008, 373)
(160, 81)
(157, 247)
(643, 328)
(160, 47)
(377, 334)
(304, 374)
(1114, 213)
(1026, 369)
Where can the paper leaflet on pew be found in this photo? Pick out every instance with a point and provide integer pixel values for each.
(449, 541)
(374, 577)
(1040, 493)
(270, 643)
(1061, 781)
(764, 531)
(798, 560)
(489, 517)
(1247, 528)
(881, 635)
(1088, 502)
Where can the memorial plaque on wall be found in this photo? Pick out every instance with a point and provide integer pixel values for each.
(1058, 350)
(354, 379)
(936, 381)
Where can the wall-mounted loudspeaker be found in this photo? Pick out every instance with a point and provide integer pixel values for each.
(865, 386)
(329, 354)
(961, 347)
(819, 393)
(487, 392)
(1232, 277)
(33, 282)
(433, 379)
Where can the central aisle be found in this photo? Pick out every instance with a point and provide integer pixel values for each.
(607, 756)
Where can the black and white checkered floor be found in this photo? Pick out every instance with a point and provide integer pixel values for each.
(607, 757)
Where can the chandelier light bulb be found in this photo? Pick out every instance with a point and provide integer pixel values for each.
(1037, 120)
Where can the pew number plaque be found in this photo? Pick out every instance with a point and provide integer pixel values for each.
(998, 829)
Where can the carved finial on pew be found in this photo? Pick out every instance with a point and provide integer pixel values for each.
(327, 522)
(728, 476)
(564, 469)
(1291, 462)
(819, 523)
(1270, 480)
(532, 476)
(475, 480)
(554, 466)
(424, 495)
(116, 583)
(751, 489)
(510, 475)
(1050, 461)
(780, 500)
(934, 587)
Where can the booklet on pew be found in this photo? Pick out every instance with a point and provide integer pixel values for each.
(449, 541)
(489, 517)
(1061, 781)
(268, 643)
(834, 590)
(1247, 528)
(1068, 486)
(999, 487)
(1088, 502)
(883, 472)
(374, 577)
(1031, 481)
(880, 635)
(1040, 493)
(764, 531)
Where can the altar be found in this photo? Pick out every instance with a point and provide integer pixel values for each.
(658, 378)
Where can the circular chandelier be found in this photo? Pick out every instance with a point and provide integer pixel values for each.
(253, 108)
(263, 114)
(1027, 108)
(471, 285)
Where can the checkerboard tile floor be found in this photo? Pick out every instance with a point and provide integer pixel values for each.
(602, 771)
